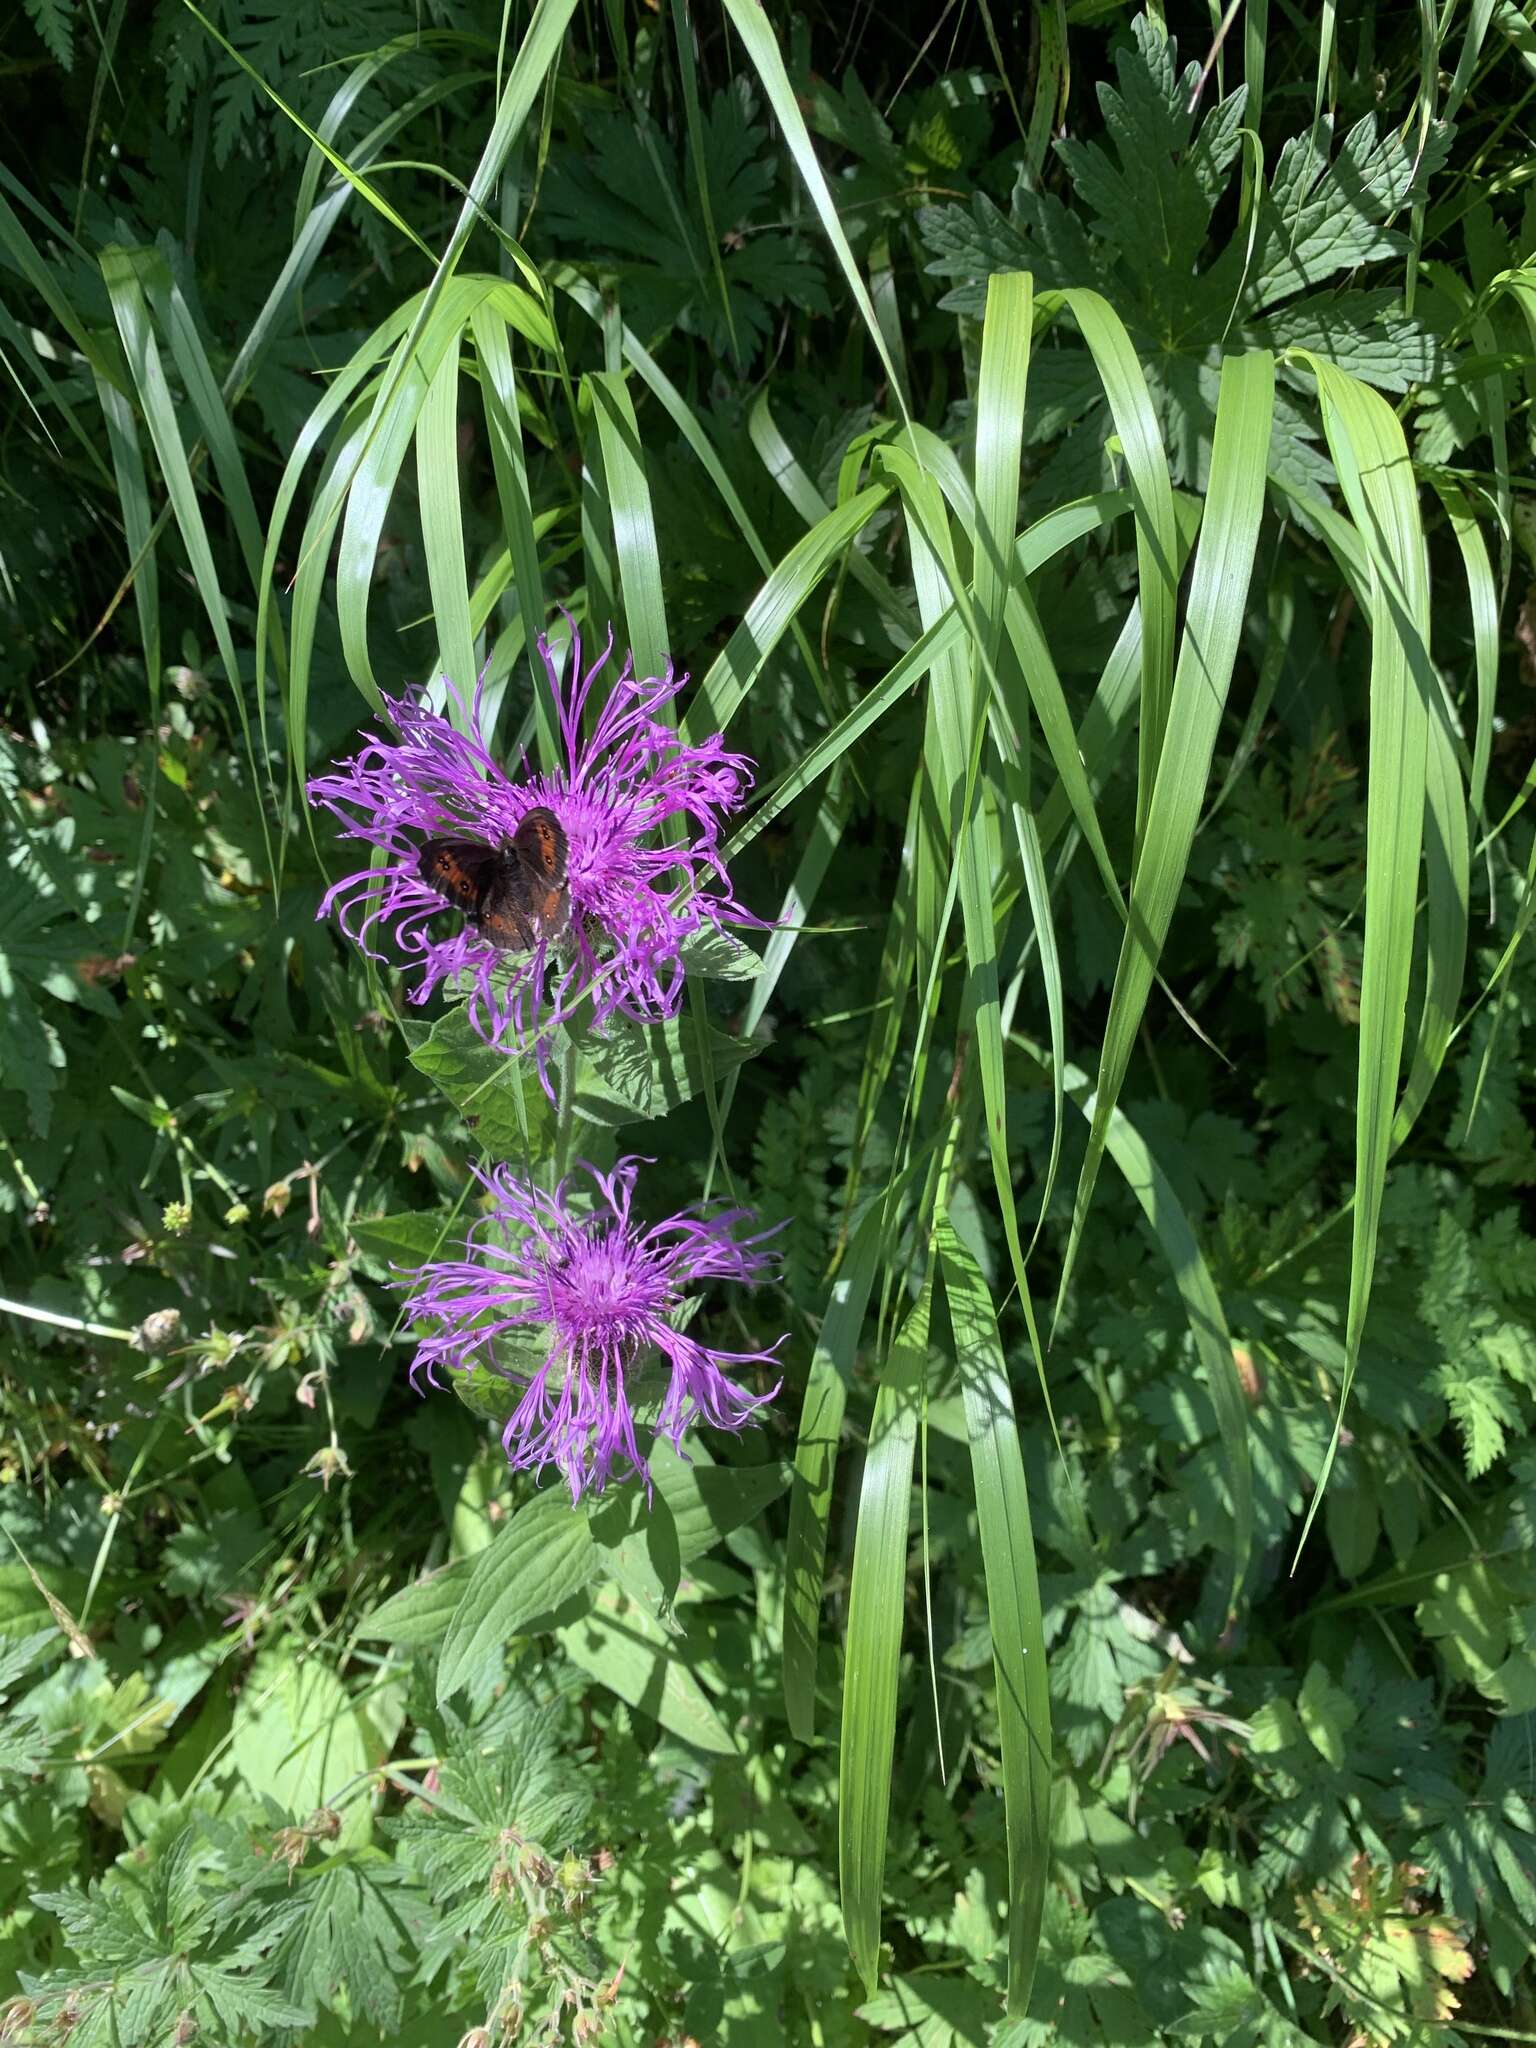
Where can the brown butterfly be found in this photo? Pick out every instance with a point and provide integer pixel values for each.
(516, 893)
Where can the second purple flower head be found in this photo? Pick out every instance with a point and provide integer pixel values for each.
(600, 1297)
(630, 900)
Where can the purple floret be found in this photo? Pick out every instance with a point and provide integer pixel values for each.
(634, 899)
(603, 1294)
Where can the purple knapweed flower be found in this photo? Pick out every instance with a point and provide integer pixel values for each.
(602, 1293)
(633, 899)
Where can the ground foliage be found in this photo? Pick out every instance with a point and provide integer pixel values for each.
(316, 1727)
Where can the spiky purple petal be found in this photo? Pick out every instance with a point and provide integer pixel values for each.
(635, 899)
(601, 1295)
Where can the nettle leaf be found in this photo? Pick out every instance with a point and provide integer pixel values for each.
(401, 1243)
(534, 1563)
(638, 1071)
(497, 1094)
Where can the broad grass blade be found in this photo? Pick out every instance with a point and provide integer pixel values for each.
(734, 670)
(1131, 408)
(1217, 600)
(1013, 1605)
(872, 1647)
(810, 1500)
(1366, 441)
(131, 313)
(752, 25)
(634, 524)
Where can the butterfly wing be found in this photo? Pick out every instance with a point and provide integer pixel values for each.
(458, 869)
(540, 843)
(540, 848)
(504, 914)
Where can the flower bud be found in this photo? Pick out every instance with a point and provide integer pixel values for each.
(158, 1331)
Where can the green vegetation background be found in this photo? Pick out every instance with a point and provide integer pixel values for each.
(772, 1767)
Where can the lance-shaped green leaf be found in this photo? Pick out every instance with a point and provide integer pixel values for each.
(872, 1648)
(1013, 1604)
(1217, 600)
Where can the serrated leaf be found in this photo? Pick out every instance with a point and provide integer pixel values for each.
(1327, 1714)
(406, 1240)
(1364, 333)
(31, 1054)
(163, 1948)
(54, 22)
(348, 1948)
(542, 1556)
(1483, 1409)
(628, 1650)
(934, 2011)
(497, 1094)
(638, 1071)
(1320, 218)
(719, 955)
(417, 1617)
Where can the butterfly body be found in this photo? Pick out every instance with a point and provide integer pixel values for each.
(516, 893)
